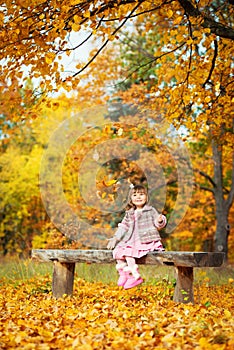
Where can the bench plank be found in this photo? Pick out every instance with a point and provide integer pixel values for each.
(191, 259)
(184, 262)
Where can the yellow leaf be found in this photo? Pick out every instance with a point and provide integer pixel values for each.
(207, 99)
(179, 37)
(109, 183)
(75, 27)
(217, 86)
(189, 41)
(74, 2)
(227, 314)
(1, 18)
(169, 13)
(197, 33)
(204, 343)
(107, 129)
(49, 58)
(76, 19)
(87, 14)
(177, 20)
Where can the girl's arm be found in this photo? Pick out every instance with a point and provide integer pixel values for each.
(160, 220)
(123, 227)
(119, 234)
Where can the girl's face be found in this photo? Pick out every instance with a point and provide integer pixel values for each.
(139, 198)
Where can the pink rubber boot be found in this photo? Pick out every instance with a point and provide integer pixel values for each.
(123, 275)
(134, 278)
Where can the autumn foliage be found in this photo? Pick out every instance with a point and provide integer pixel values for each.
(149, 63)
(96, 95)
(103, 316)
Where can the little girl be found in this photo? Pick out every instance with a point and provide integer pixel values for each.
(136, 235)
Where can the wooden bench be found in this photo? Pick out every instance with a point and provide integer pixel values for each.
(64, 267)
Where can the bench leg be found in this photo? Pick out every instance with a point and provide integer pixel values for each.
(63, 279)
(184, 285)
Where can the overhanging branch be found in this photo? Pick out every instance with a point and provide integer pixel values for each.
(207, 177)
(213, 63)
(216, 28)
(106, 42)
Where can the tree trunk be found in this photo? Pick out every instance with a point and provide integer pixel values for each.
(222, 210)
(221, 233)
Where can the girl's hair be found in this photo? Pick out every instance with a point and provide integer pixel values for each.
(136, 188)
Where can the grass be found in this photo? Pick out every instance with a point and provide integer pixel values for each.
(13, 270)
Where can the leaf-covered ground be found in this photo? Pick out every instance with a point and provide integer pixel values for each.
(103, 316)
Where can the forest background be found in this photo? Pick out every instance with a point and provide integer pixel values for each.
(96, 95)
(158, 78)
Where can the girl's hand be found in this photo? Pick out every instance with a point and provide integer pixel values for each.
(112, 243)
(160, 218)
(161, 221)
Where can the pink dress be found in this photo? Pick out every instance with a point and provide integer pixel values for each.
(134, 247)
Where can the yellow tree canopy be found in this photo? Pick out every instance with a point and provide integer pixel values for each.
(36, 38)
(189, 46)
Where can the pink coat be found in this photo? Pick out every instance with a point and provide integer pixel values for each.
(148, 225)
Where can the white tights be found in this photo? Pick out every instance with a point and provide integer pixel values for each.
(129, 260)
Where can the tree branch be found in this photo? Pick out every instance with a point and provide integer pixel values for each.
(204, 188)
(151, 61)
(142, 12)
(207, 177)
(106, 42)
(207, 22)
(213, 63)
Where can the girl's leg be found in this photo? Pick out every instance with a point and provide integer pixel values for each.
(123, 275)
(135, 278)
(130, 261)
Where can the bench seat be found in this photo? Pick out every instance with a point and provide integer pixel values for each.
(64, 266)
